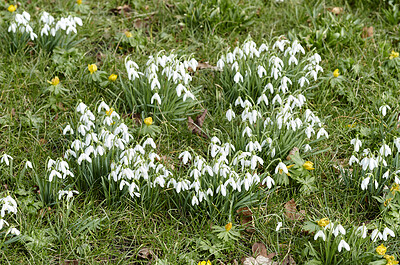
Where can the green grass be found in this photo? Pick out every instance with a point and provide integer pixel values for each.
(92, 232)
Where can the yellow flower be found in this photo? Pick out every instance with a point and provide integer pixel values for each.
(12, 8)
(308, 165)
(79, 2)
(228, 226)
(55, 81)
(336, 73)
(323, 222)
(387, 202)
(390, 260)
(204, 262)
(113, 77)
(393, 54)
(381, 250)
(128, 34)
(92, 68)
(109, 112)
(395, 187)
(148, 121)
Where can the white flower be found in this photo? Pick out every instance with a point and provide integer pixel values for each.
(155, 97)
(281, 168)
(230, 114)
(261, 71)
(343, 244)
(320, 234)
(385, 175)
(185, 156)
(238, 77)
(264, 98)
(269, 182)
(69, 194)
(68, 129)
(5, 159)
(247, 131)
(83, 157)
(383, 109)
(322, 132)
(375, 235)
(364, 183)
(362, 230)
(357, 144)
(385, 150)
(81, 108)
(28, 164)
(195, 200)
(386, 232)
(278, 226)
(307, 148)
(2, 223)
(339, 229)
(352, 160)
(14, 231)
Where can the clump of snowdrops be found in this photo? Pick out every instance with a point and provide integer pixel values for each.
(268, 110)
(335, 244)
(46, 31)
(163, 90)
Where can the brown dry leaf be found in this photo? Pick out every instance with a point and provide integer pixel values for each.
(167, 161)
(202, 66)
(259, 249)
(336, 10)
(288, 261)
(121, 9)
(260, 260)
(246, 218)
(146, 253)
(368, 32)
(71, 262)
(195, 126)
(291, 211)
(292, 152)
(42, 141)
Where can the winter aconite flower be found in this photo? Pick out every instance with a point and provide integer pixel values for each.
(113, 77)
(12, 9)
(381, 250)
(92, 68)
(336, 73)
(228, 226)
(393, 54)
(208, 262)
(55, 81)
(308, 165)
(128, 34)
(323, 222)
(148, 121)
(79, 2)
(390, 260)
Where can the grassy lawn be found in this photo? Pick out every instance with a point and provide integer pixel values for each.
(181, 132)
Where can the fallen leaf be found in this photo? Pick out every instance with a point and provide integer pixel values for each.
(205, 65)
(146, 253)
(259, 249)
(368, 32)
(246, 218)
(288, 261)
(71, 262)
(336, 10)
(121, 9)
(195, 126)
(42, 141)
(260, 260)
(291, 211)
(292, 152)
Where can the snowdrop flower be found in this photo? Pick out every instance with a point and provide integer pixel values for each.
(339, 229)
(81, 108)
(14, 231)
(269, 181)
(278, 226)
(155, 97)
(69, 194)
(264, 98)
(385, 150)
(281, 168)
(6, 159)
(320, 234)
(307, 148)
(385, 175)
(84, 157)
(54, 173)
(230, 114)
(375, 235)
(362, 230)
(2, 223)
(261, 71)
(68, 129)
(364, 183)
(357, 144)
(28, 164)
(322, 132)
(238, 77)
(247, 131)
(343, 244)
(195, 201)
(352, 160)
(386, 232)
(383, 109)
(186, 156)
